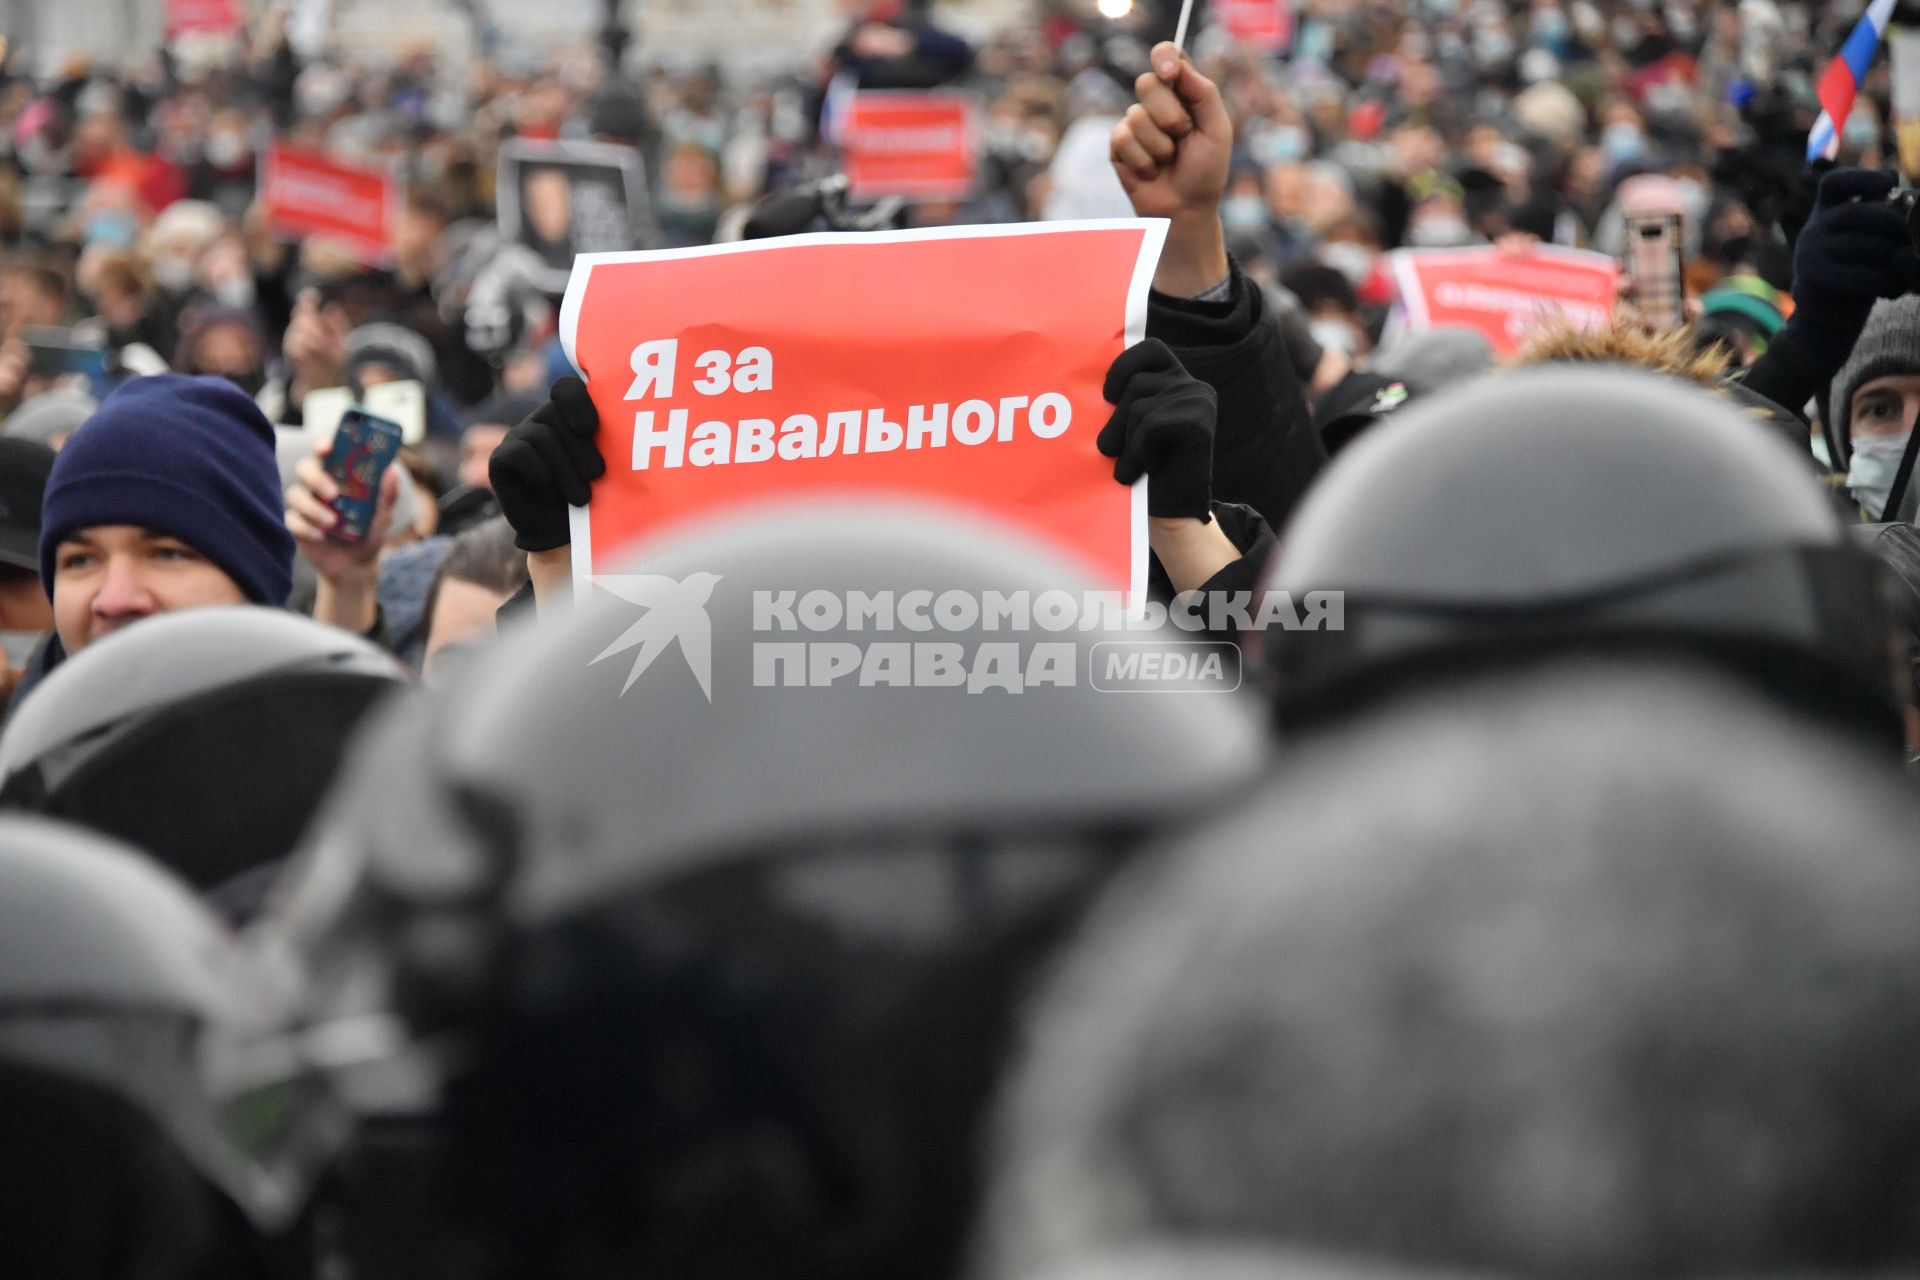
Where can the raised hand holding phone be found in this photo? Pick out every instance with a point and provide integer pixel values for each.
(362, 449)
(340, 511)
(1655, 270)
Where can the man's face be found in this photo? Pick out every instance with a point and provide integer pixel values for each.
(476, 450)
(24, 302)
(227, 352)
(1286, 190)
(415, 235)
(109, 576)
(550, 205)
(1885, 407)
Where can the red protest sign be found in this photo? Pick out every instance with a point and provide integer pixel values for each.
(205, 18)
(1262, 25)
(1503, 293)
(920, 145)
(738, 374)
(307, 193)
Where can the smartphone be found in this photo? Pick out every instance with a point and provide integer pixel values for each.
(1653, 264)
(363, 448)
(55, 352)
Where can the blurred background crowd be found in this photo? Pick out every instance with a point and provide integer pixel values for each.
(128, 189)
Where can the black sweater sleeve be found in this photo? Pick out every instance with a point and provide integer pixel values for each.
(518, 606)
(1265, 450)
(1787, 375)
(1239, 580)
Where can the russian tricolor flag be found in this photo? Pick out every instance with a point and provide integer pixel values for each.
(1843, 78)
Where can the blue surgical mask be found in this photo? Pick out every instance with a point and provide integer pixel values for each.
(1862, 131)
(111, 229)
(1493, 48)
(1280, 144)
(1315, 43)
(1876, 460)
(1244, 214)
(1622, 141)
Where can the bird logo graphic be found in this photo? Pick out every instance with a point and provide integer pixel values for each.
(676, 612)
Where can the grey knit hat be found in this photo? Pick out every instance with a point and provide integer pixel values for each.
(1436, 358)
(390, 343)
(49, 416)
(1889, 344)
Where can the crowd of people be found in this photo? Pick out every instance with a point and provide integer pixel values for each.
(368, 908)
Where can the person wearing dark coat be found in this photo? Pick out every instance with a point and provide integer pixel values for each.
(892, 45)
(1853, 251)
(1209, 329)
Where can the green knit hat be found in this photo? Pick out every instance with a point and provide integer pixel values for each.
(1747, 296)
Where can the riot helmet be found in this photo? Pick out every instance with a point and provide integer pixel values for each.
(1576, 509)
(698, 919)
(204, 737)
(117, 992)
(1604, 968)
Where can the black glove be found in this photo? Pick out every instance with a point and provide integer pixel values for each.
(545, 464)
(1852, 252)
(1162, 428)
(1802, 192)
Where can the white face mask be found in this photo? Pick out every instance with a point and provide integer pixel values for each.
(1353, 261)
(1492, 48)
(1283, 143)
(1870, 474)
(236, 292)
(173, 273)
(1333, 336)
(1440, 232)
(226, 150)
(1244, 214)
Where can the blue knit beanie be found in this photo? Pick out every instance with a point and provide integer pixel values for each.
(191, 458)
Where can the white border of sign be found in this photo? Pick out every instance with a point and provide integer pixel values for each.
(1135, 329)
(633, 178)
